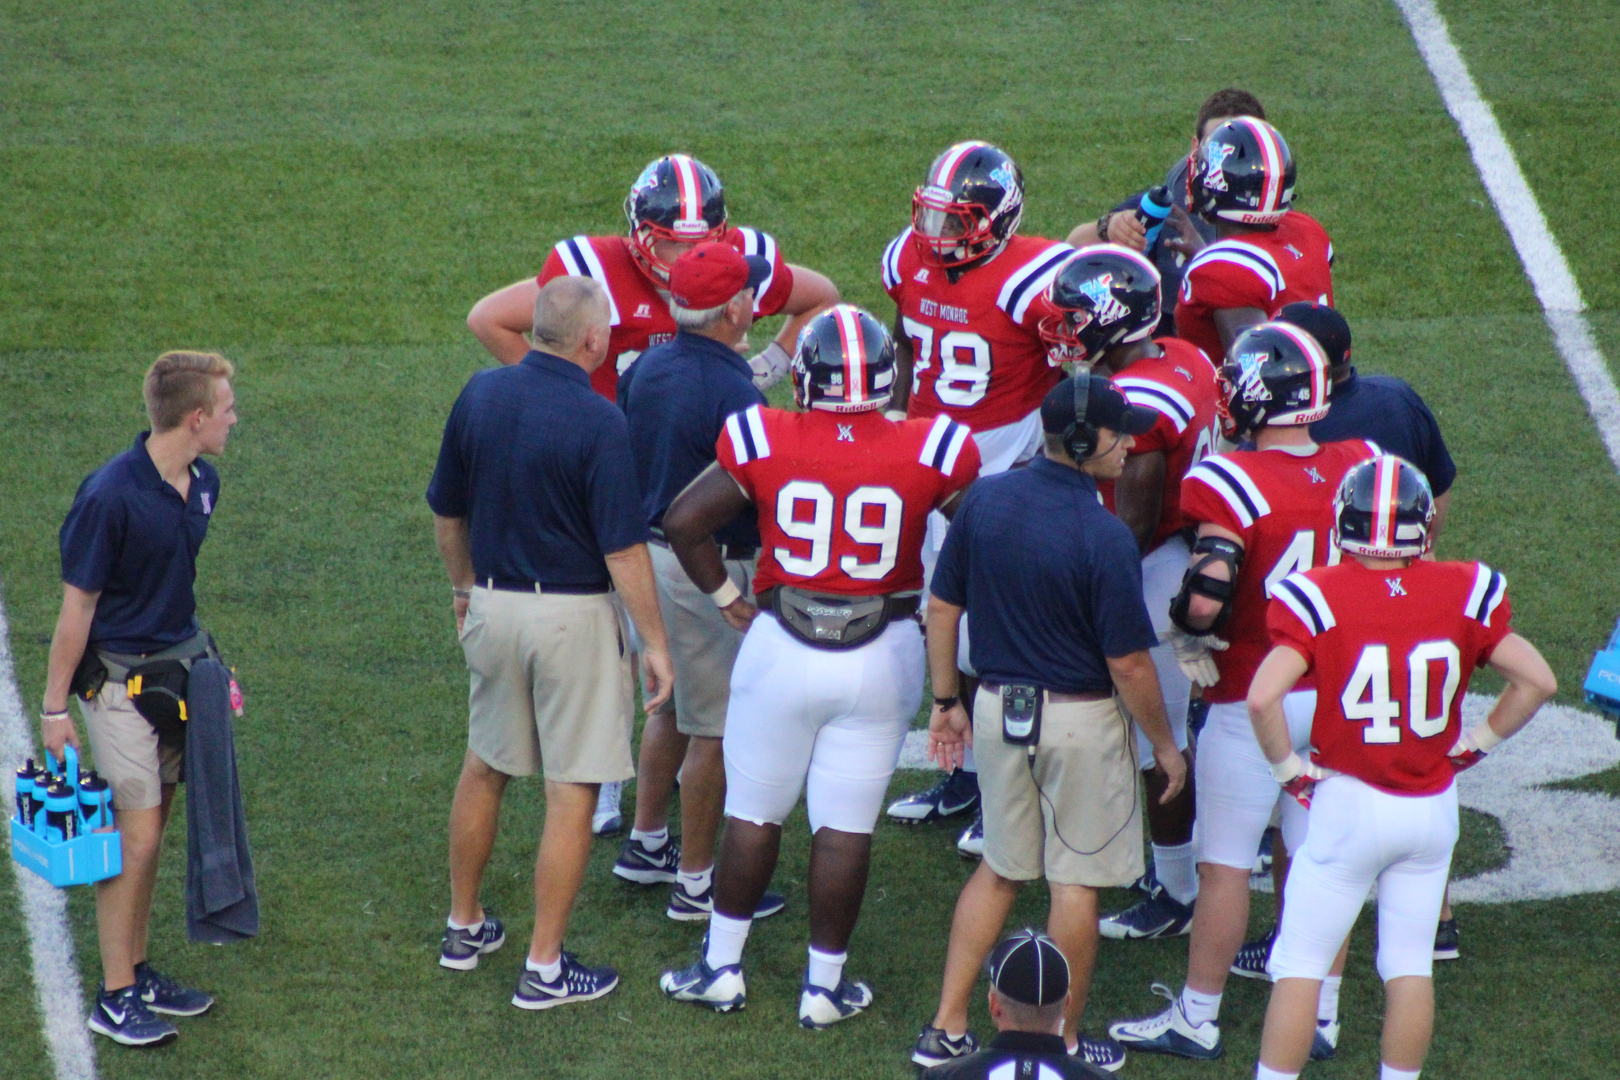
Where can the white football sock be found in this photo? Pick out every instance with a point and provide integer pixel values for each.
(727, 936)
(1177, 871)
(652, 841)
(968, 764)
(1200, 1007)
(1327, 1006)
(826, 969)
(457, 926)
(1390, 1072)
(1263, 1073)
(549, 972)
(607, 797)
(695, 884)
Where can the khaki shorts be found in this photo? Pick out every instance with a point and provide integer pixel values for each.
(550, 683)
(126, 749)
(702, 645)
(1086, 800)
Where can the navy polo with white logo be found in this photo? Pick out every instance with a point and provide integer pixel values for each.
(1052, 582)
(130, 537)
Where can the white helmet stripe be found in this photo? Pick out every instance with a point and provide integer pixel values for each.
(1386, 472)
(947, 164)
(1319, 366)
(849, 333)
(1271, 157)
(691, 191)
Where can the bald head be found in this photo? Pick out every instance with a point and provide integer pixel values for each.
(569, 311)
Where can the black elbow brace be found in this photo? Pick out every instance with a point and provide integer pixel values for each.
(1196, 582)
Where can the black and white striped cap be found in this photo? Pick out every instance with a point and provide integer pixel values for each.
(1028, 967)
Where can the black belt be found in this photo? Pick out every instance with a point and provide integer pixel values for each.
(900, 607)
(739, 552)
(520, 585)
(1058, 697)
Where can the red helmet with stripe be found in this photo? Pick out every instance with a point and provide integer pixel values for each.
(969, 206)
(1383, 509)
(1242, 172)
(844, 362)
(676, 198)
(1275, 375)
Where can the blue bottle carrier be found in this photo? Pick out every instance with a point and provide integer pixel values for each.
(1603, 679)
(88, 857)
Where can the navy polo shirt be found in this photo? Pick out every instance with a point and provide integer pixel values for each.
(677, 396)
(1390, 413)
(539, 464)
(1051, 580)
(132, 538)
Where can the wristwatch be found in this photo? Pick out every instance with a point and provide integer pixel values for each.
(948, 703)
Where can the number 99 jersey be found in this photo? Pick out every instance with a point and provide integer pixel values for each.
(1392, 651)
(977, 353)
(843, 498)
(1281, 507)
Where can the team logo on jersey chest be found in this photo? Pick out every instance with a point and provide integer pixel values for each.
(1294, 251)
(1315, 477)
(1184, 373)
(1105, 308)
(1395, 587)
(846, 432)
(643, 312)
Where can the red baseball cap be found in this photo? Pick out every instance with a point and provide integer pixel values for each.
(710, 274)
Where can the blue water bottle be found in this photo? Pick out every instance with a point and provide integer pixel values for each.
(25, 794)
(61, 811)
(95, 802)
(1151, 212)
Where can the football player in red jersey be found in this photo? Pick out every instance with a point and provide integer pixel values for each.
(1241, 180)
(1100, 311)
(1262, 514)
(1392, 642)
(675, 204)
(827, 683)
(964, 285)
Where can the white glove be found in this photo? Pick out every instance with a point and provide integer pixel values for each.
(1193, 653)
(770, 365)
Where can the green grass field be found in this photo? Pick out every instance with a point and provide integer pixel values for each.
(322, 190)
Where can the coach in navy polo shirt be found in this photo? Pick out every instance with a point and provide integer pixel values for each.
(536, 513)
(1053, 584)
(677, 397)
(129, 560)
(1377, 407)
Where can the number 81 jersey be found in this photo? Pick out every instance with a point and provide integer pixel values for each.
(1392, 651)
(977, 352)
(843, 498)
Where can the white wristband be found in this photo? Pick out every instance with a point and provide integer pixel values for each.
(894, 414)
(1288, 768)
(1481, 737)
(726, 595)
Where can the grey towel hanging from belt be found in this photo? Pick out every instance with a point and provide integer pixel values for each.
(222, 902)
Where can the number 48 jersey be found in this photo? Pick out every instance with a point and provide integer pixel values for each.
(1392, 651)
(1280, 505)
(843, 498)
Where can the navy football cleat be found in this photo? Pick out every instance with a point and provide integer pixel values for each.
(934, 1047)
(1254, 958)
(1159, 916)
(644, 867)
(957, 793)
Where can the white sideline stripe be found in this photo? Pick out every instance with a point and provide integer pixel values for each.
(50, 941)
(1543, 260)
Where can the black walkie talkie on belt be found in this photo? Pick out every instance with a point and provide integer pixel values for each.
(1021, 715)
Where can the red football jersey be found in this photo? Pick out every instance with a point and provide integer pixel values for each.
(979, 355)
(1180, 385)
(1262, 270)
(1392, 651)
(1281, 505)
(638, 310)
(843, 498)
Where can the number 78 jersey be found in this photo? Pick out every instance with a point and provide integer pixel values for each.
(1280, 505)
(1393, 651)
(843, 498)
(976, 346)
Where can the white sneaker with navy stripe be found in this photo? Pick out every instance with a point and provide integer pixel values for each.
(721, 989)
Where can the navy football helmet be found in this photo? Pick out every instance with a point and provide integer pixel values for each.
(1243, 172)
(675, 198)
(969, 206)
(1275, 375)
(1103, 296)
(844, 362)
(1383, 509)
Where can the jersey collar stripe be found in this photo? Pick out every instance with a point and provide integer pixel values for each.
(942, 177)
(1158, 396)
(1027, 282)
(849, 335)
(1271, 155)
(691, 192)
(1299, 602)
(593, 269)
(756, 431)
(742, 446)
(1268, 275)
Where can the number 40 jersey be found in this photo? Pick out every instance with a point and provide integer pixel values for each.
(843, 498)
(1280, 505)
(1392, 651)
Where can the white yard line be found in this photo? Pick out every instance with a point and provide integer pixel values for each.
(1543, 260)
(56, 972)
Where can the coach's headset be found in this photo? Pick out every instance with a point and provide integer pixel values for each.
(1080, 437)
